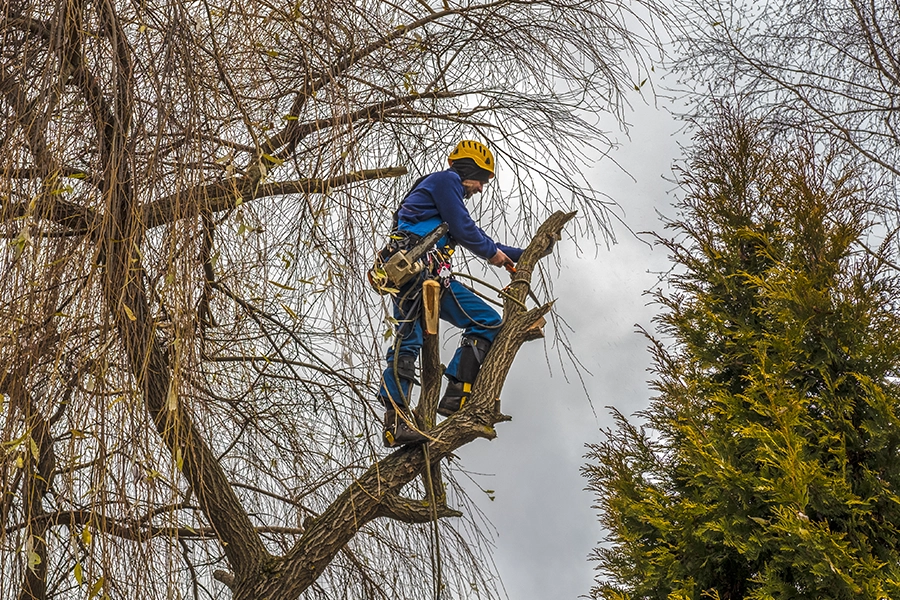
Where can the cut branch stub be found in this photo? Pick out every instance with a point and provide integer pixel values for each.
(432, 370)
(413, 511)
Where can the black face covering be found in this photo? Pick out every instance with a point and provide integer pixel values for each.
(467, 169)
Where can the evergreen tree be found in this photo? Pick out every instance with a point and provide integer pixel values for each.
(767, 465)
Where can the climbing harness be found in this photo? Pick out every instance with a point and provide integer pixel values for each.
(401, 259)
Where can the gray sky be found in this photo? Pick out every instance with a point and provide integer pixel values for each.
(544, 520)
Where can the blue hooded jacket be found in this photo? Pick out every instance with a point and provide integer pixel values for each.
(439, 198)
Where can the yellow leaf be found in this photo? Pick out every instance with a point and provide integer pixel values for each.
(284, 306)
(142, 28)
(34, 559)
(86, 536)
(79, 576)
(34, 449)
(179, 459)
(272, 159)
(128, 313)
(95, 589)
(282, 286)
(12, 445)
(77, 175)
(172, 397)
(291, 118)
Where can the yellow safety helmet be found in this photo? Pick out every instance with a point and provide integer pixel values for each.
(477, 152)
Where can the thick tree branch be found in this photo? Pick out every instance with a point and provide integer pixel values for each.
(215, 197)
(363, 500)
(76, 218)
(28, 25)
(224, 195)
(28, 119)
(426, 413)
(216, 497)
(432, 371)
(107, 120)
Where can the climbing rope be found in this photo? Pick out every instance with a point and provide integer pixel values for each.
(436, 572)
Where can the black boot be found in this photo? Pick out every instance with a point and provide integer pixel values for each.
(397, 432)
(454, 397)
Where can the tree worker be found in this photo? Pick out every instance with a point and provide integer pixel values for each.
(435, 199)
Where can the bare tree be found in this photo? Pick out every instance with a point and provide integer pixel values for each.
(191, 193)
(825, 66)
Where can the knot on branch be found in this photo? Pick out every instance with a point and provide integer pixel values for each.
(225, 577)
(408, 510)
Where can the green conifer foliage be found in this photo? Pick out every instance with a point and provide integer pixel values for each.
(767, 465)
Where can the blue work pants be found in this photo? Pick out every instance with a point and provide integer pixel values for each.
(459, 306)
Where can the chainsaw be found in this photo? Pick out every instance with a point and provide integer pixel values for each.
(389, 274)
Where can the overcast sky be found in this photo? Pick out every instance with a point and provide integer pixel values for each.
(544, 520)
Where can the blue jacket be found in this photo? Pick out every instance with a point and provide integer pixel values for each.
(439, 198)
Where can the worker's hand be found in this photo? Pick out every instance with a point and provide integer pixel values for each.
(501, 259)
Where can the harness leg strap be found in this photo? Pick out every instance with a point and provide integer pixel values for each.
(406, 368)
(473, 351)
